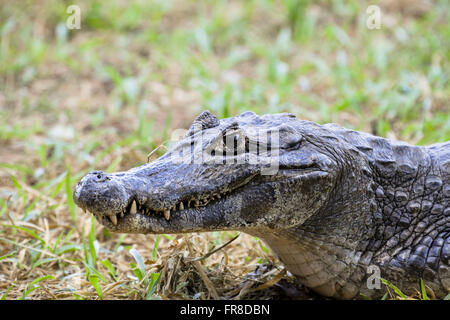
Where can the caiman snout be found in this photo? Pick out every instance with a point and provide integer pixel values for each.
(101, 193)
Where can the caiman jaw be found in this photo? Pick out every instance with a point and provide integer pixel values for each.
(134, 207)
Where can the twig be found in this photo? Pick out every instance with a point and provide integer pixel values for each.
(153, 151)
(35, 249)
(203, 275)
(212, 251)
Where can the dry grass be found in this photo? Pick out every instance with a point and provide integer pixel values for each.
(189, 266)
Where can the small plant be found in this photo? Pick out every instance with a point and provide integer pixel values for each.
(149, 280)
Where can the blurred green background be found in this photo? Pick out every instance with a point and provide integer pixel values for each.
(105, 95)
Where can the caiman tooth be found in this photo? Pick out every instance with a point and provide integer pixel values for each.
(84, 210)
(133, 208)
(113, 220)
(167, 214)
(195, 203)
(181, 206)
(218, 196)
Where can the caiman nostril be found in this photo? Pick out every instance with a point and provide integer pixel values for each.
(99, 176)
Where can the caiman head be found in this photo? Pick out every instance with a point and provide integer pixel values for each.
(250, 173)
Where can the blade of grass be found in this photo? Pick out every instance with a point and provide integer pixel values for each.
(424, 291)
(70, 202)
(43, 261)
(68, 236)
(140, 265)
(94, 280)
(396, 290)
(35, 249)
(111, 270)
(168, 237)
(3, 206)
(119, 242)
(28, 231)
(154, 279)
(7, 291)
(92, 249)
(67, 248)
(155, 247)
(31, 286)
(6, 256)
(92, 271)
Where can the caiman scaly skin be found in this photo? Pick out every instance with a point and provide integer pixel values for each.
(340, 202)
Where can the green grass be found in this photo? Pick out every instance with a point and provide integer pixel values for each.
(107, 95)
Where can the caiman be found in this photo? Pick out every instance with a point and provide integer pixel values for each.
(335, 205)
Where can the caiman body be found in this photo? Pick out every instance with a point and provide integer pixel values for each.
(335, 205)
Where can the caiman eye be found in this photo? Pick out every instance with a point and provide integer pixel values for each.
(231, 142)
(292, 143)
(235, 142)
(289, 137)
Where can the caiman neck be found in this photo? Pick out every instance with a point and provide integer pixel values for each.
(325, 251)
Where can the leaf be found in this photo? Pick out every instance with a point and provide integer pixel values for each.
(28, 231)
(16, 183)
(424, 292)
(140, 264)
(7, 291)
(111, 270)
(119, 242)
(155, 247)
(67, 248)
(154, 279)
(396, 290)
(92, 247)
(137, 272)
(43, 261)
(94, 280)
(6, 256)
(91, 270)
(78, 297)
(168, 237)
(41, 279)
(70, 202)
(31, 286)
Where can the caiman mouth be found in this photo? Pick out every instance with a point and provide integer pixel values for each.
(137, 208)
(134, 207)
